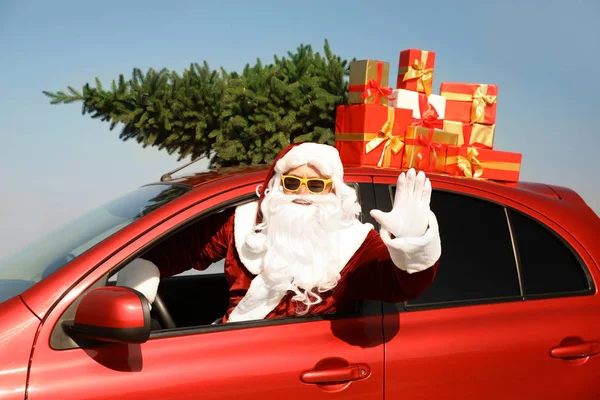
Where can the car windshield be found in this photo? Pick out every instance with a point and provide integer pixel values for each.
(38, 260)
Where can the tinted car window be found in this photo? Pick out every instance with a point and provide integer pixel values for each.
(548, 266)
(477, 262)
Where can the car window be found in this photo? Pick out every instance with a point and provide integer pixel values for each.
(477, 262)
(42, 258)
(548, 266)
(209, 287)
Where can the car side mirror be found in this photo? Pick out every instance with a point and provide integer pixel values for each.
(111, 314)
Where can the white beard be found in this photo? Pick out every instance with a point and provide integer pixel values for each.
(301, 245)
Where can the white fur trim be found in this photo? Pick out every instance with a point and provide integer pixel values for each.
(141, 275)
(320, 156)
(248, 309)
(259, 300)
(244, 223)
(418, 253)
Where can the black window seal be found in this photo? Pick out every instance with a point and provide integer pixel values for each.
(200, 329)
(462, 303)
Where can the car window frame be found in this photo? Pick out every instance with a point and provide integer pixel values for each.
(59, 340)
(591, 289)
(385, 194)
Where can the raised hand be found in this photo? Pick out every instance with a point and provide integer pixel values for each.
(409, 216)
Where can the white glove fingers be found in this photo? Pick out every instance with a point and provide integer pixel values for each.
(400, 188)
(419, 184)
(411, 177)
(426, 196)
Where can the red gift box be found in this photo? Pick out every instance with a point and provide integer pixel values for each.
(470, 103)
(483, 164)
(415, 70)
(371, 134)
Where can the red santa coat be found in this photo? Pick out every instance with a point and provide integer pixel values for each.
(373, 266)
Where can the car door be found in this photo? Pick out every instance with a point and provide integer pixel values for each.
(293, 358)
(511, 314)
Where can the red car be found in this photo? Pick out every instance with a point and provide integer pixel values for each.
(513, 312)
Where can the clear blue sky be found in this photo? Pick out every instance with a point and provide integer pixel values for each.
(56, 163)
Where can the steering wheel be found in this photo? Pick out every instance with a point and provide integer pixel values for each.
(162, 313)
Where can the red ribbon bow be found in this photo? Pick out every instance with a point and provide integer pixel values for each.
(429, 115)
(428, 146)
(374, 88)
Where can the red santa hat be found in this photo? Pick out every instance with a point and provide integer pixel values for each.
(323, 157)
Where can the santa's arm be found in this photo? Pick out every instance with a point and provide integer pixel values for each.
(409, 241)
(197, 246)
(394, 272)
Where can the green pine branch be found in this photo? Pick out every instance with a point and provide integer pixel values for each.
(242, 117)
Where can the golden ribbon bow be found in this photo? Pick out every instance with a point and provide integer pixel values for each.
(393, 144)
(418, 70)
(470, 163)
(480, 100)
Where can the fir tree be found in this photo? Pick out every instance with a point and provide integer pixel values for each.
(241, 118)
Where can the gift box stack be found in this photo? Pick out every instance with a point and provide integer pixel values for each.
(368, 131)
(411, 127)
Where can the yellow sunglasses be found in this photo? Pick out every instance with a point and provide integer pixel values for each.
(314, 185)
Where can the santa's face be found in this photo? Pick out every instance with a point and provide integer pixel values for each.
(304, 180)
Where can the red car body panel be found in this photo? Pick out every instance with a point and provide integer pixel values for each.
(18, 329)
(215, 365)
(266, 361)
(511, 339)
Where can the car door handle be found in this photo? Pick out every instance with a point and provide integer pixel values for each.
(345, 374)
(577, 350)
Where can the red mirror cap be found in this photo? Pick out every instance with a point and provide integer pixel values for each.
(114, 314)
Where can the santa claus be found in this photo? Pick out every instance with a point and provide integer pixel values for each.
(301, 250)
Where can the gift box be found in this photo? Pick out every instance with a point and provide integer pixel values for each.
(369, 82)
(483, 164)
(418, 102)
(415, 70)
(470, 103)
(371, 134)
(474, 135)
(425, 148)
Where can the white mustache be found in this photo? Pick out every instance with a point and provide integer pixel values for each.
(309, 198)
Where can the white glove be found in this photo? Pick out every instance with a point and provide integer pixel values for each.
(409, 216)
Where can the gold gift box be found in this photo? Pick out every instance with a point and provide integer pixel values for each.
(478, 135)
(361, 73)
(425, 149)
